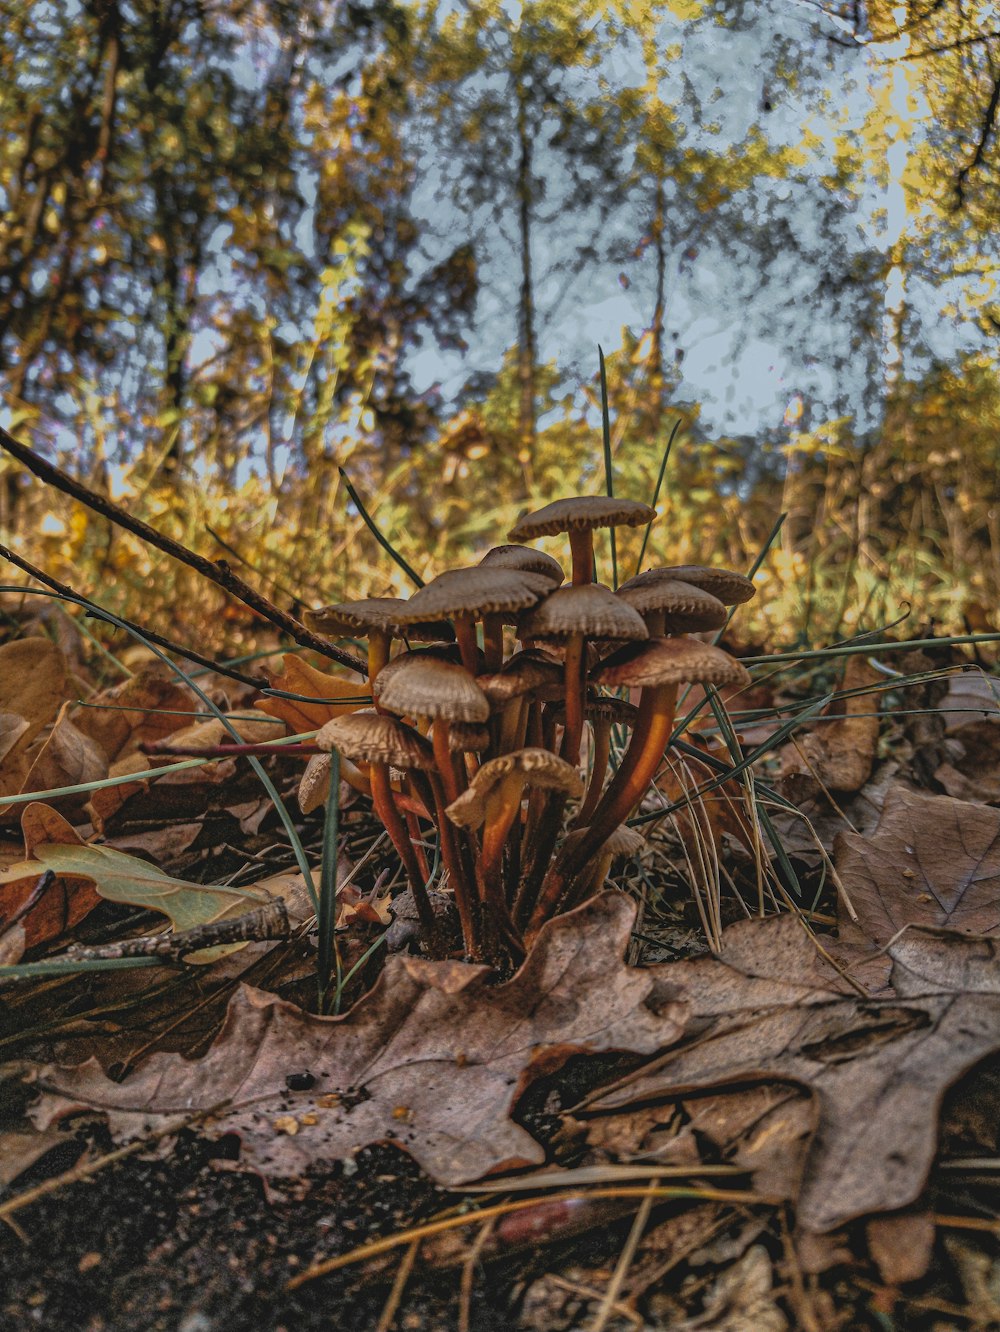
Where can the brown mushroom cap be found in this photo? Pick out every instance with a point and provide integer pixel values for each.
(521, 674)
(624, 841)
(606, 708)
(670, 661)
(427, 687)
(371, 737)
(581, 513)
(372, 614)
(590, 608)
(468, 738)
(476, 592)
(731, 588)
(437, 651)
(688, 609)
(538, 767)
(524, 559)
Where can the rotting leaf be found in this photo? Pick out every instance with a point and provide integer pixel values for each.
(932, 860)
(62, 904)
(433, 1059)
(879, 1068)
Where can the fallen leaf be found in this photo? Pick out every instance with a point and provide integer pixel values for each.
(65, 902)
(67, 758)
(879, 1068)
(972, 696)
(932, 860)
(298, 677)
(122, 878)
(32, 687)
(140, 710)
(12, 727)
(972, 769)
(840, 755)
(433, 1059)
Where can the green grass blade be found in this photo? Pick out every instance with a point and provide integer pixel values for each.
(609, 481)
(382, 541)
(656, 493)
(329, 954)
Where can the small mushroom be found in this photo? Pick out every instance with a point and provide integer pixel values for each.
(375, 619)
(380, 741)
(494, 800)
(580, 515)
(657, 667)
(523, 558)
(575, 614)
(669, 606)
(731, 588)
(467, 595)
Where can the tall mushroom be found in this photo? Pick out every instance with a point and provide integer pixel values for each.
(657, 667)
(580, 515)
(494, 800)
(467, 595)
(574, 614)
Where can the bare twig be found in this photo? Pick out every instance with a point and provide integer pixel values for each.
(216, 571)
(256, 681)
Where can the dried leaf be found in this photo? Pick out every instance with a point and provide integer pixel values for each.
(433, 1059)
(122, 878)
(931, 861)
(140, 710)
(840, 755)
(298, 677)
(878, 1068)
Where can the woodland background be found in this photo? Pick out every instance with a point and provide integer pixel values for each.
(247, 244)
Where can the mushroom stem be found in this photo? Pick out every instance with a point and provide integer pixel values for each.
(385, 808)
(503, 807)
(581, 544)
(598, 770)
(493, 641)
(649, 740)
(465, 633)
(456, 871)
(576, 688)
(378, 654)
(447, 767)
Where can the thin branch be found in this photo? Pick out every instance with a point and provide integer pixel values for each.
(988, 127)
(257, 681)
(216, 571)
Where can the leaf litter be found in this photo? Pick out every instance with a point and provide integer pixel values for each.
(761, 1060)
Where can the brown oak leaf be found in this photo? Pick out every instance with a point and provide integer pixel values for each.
(433, 1059)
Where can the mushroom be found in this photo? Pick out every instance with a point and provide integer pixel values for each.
(579, 516)
(380, 741)
(624, 841)
(523, 558)
(494, 800)
(466, 595)
(731, 588)
(512, 689)
(575, 614)
(669, 606)
(375, 619)
(657, 667)
(439, 692)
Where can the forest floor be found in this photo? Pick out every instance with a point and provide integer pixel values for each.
(795, 1130)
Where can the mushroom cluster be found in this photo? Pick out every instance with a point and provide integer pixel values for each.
(476, 735)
